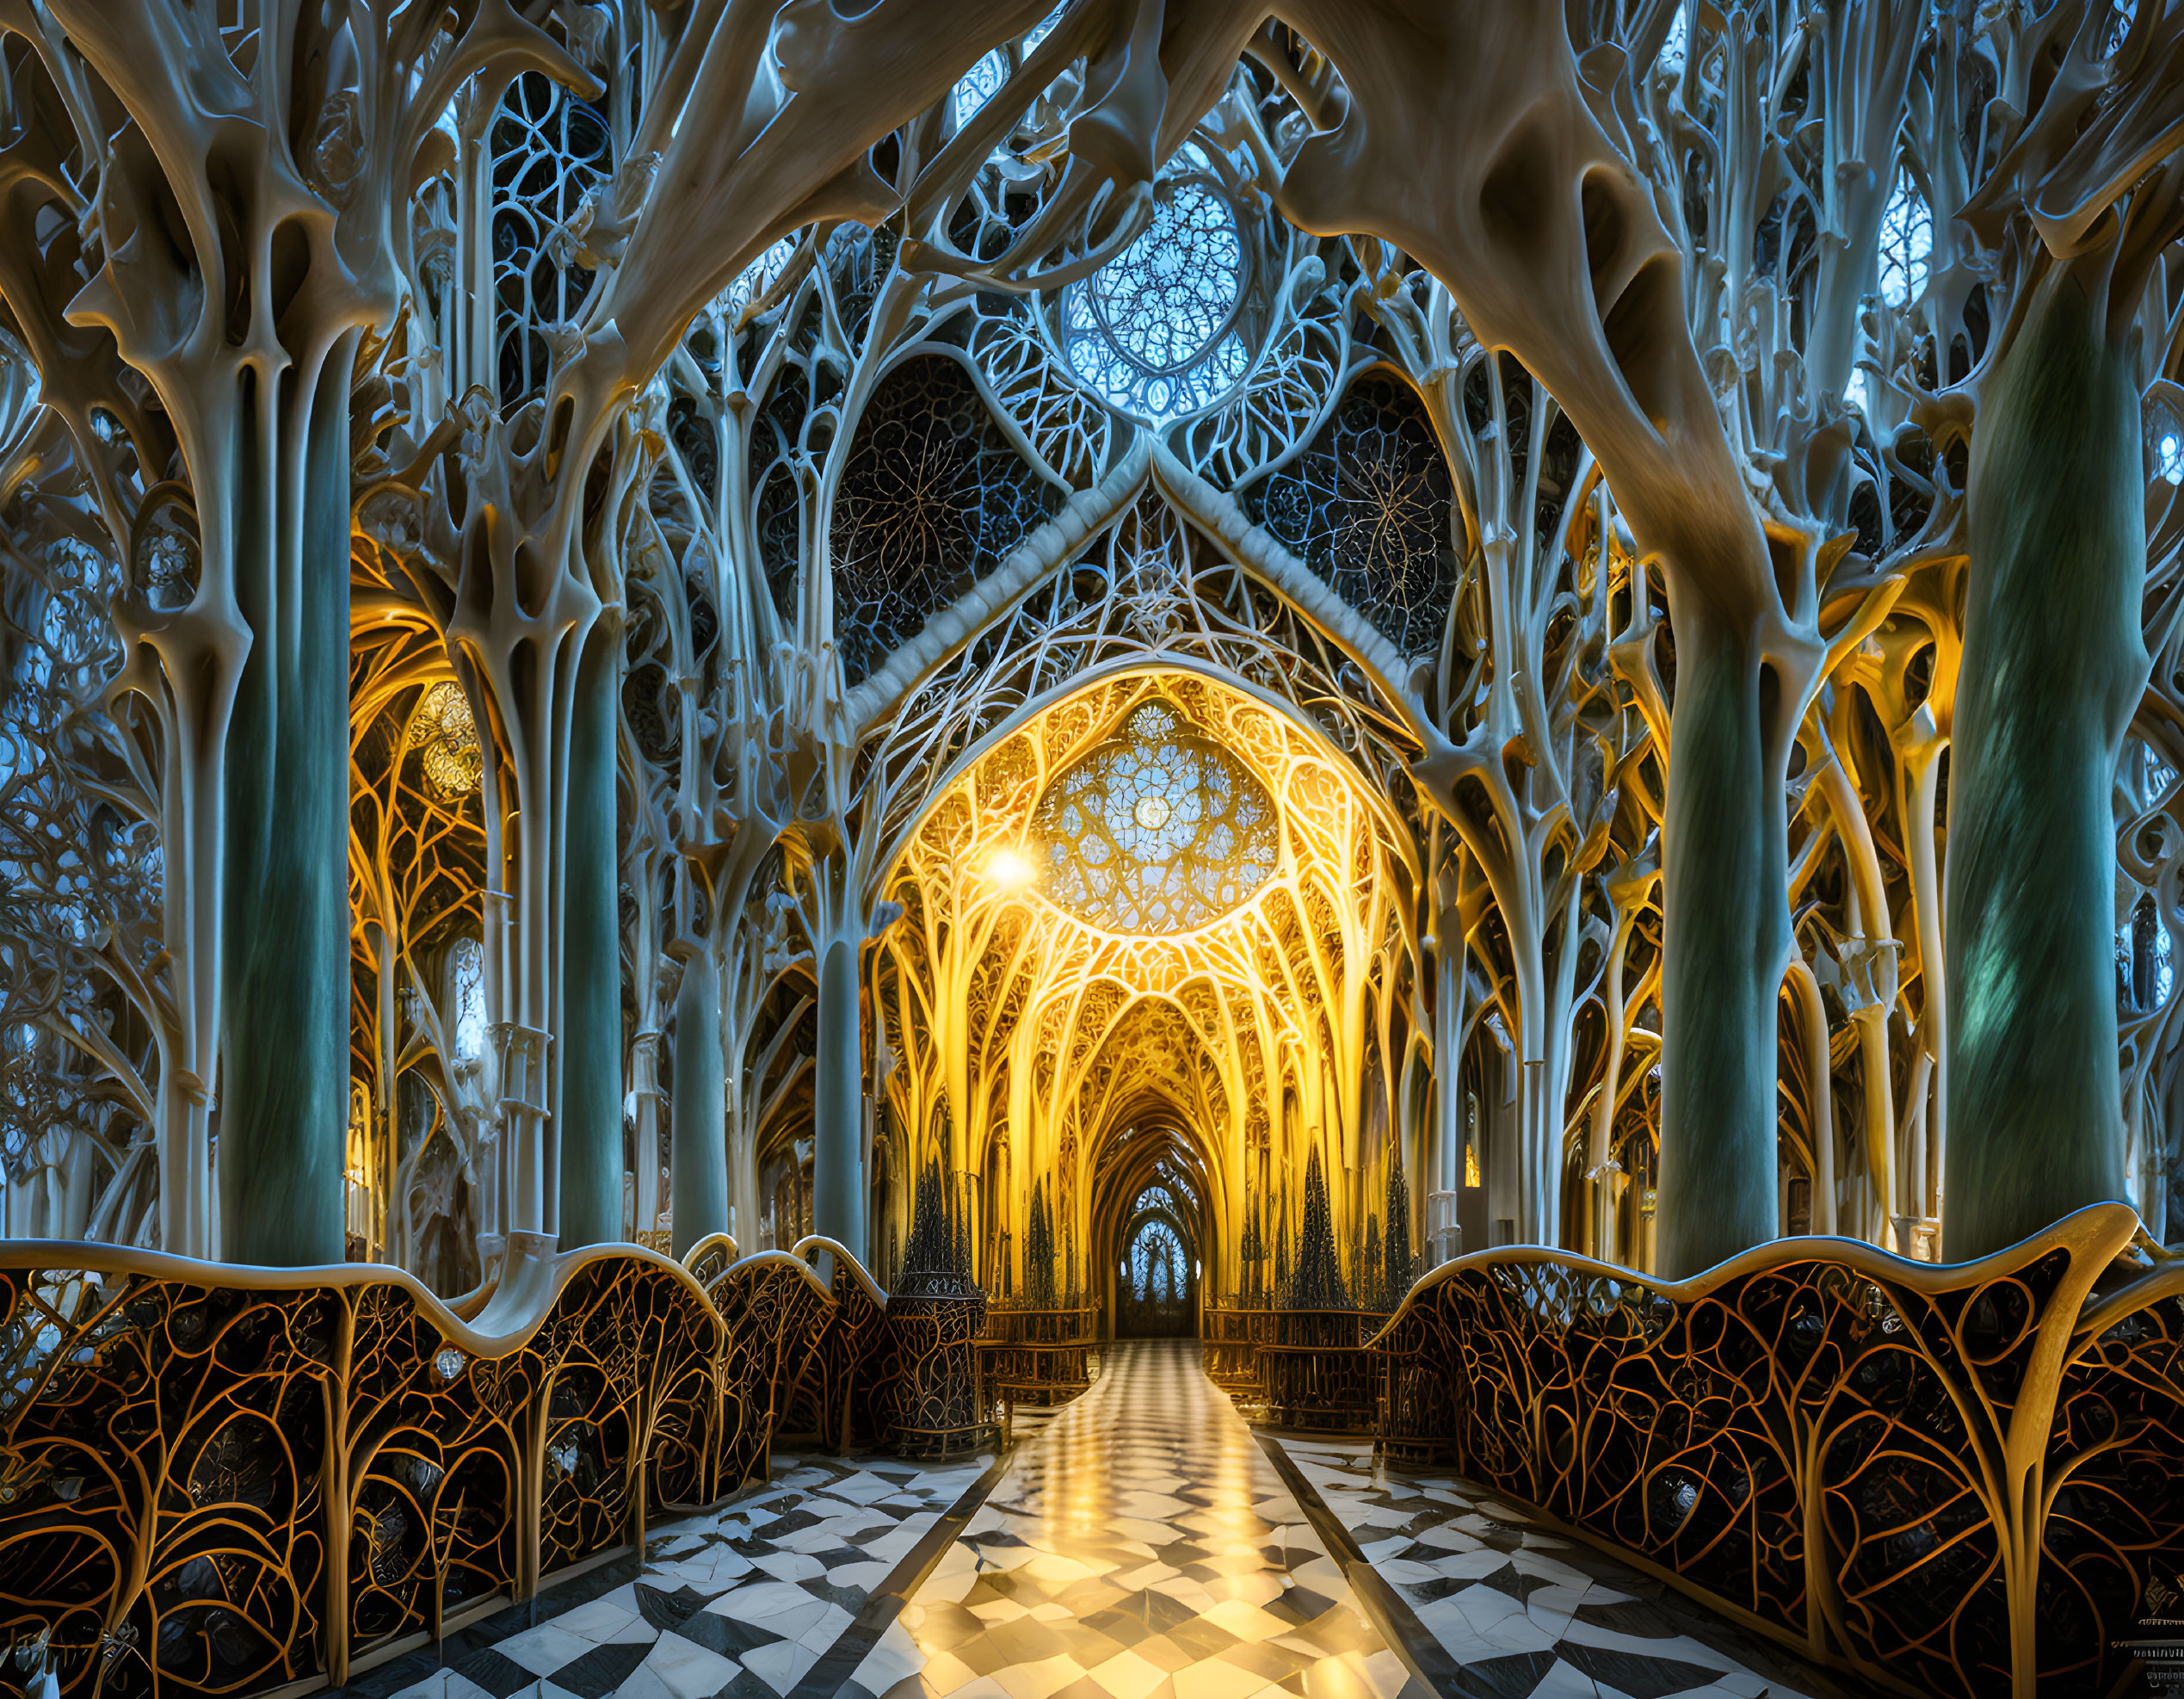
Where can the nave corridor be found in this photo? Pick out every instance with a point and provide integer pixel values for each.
(1144, 1543)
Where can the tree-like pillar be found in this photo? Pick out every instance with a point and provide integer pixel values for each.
(284, 1060)
(698, 1190)
(1723, 868)
(837, 1146)
(2053, 664)
(591, 995)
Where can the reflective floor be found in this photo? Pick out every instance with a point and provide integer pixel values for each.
(1144, 1543)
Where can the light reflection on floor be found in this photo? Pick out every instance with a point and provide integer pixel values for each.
(1142, 1547)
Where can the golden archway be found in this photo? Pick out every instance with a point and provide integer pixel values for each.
(1162, 905)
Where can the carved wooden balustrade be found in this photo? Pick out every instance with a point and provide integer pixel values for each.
(227, 1480)
(1954, 1479)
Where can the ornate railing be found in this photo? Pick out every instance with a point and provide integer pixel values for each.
(1229, 1340)
(1039, 1356)
(223, 1480)
(1315, 1374)
(1953, 1480)
(214, 1479)
(843, 1394)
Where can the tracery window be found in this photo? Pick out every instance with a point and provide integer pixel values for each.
(1157, 830)
(1153, 332)
(1907, 243)
(1367, 507)
(933, 497)
(444, 728)
(2168, 454)
(466, 983)
(1158, 1264)
(550, 150)
(776, 514)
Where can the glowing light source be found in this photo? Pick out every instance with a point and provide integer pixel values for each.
(1009, 869)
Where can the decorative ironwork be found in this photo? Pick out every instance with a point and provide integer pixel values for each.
(777, 1311)
(934, 1316)
(1318, 1283)
(1229, 1345)
(1399, 1268)
(1039, 1356)
(832, 1400)
(1955, 1480)
(223, 1480)
(1316, 1377)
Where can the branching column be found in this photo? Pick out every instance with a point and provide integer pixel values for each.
(2053, 665)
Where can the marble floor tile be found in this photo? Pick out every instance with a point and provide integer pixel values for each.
(1142, 1543)
(1528, 1612)
(1145, 1547)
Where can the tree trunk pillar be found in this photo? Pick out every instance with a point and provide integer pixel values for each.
(2053, 664)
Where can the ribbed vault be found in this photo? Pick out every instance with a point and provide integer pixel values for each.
(1160, 925)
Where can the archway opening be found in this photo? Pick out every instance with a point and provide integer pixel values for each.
(1155, 940)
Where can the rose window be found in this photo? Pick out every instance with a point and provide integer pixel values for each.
(1153, 331)
(1157, 830)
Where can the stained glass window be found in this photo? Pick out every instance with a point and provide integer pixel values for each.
(1157, 830)
(933, 496)
(1156, 1264)
(444, 728)
(1367, 507)
(1152, 331)
(1907, 242)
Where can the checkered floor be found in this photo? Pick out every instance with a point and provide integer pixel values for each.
(739, 1603)
(1144, 1548)
(1139, 1544)
(1525, 1612)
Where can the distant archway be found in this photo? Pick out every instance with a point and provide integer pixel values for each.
(1155, 1282)
(1151, 914)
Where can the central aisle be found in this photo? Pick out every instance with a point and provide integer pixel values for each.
(1143, 1546)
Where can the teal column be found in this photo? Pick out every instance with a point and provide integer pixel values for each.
(591, 1119)
(284, 968)
(698, 1179)
(2054, 664)
(1723, 863)
(837, 1150)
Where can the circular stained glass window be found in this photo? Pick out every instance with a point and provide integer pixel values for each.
(1153, 330)
(1157, 830)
